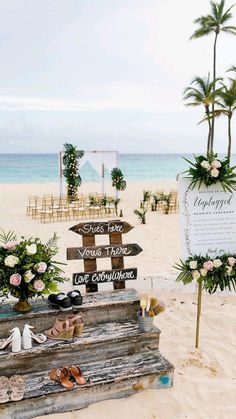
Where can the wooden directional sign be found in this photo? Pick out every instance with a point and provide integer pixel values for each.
(115, 250)
(104, 251)
(98, 277)
(110, 227)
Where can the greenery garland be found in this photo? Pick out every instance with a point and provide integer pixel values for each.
(209, 170)
(213, 273)
(71, 171)
(118, 181)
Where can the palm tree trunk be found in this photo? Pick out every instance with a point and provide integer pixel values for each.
(213, 105)
(209, 130)
(229, 135)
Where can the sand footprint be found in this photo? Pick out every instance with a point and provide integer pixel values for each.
(196, 359)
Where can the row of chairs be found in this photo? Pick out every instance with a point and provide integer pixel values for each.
(50, 208)
(160, 201)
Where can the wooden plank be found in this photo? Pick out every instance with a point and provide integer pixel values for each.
(89, 264)
(96, 308)
(99, 277)
(117, 263)
(109, 379)
(92, 228)
(103, 251)
(98, 342)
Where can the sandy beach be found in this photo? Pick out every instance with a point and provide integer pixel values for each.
(205, 380)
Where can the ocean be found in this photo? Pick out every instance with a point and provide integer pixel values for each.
(42, 168)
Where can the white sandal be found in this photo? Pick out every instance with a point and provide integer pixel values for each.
(28, 335)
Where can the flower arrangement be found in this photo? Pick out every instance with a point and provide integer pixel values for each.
(71, 169)
(213, 273)
(26, 267)
(209, 170)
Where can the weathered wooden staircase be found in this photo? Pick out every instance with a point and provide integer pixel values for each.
(116, 358)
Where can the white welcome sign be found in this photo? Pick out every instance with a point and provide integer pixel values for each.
(208, 220)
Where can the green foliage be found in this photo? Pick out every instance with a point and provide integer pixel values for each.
(214, 22)
(221, 273)
(141, 215)
(146, 196)
(71, 171)
(29, 262)
(7, 237)
(117, 178)
(201, 173)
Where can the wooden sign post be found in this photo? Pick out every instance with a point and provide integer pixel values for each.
(116, 250)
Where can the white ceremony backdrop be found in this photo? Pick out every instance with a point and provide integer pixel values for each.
(99, 160)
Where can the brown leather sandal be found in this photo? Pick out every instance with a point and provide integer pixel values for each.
(61, 330)
(63, 376)
(77, 322)
(76, 372)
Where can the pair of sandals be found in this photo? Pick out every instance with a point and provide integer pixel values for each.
(68, 376)
(12, 388)
(66, 329)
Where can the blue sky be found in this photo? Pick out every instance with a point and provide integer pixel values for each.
(104, 74)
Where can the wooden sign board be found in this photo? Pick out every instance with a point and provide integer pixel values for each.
(107, 251)
(116, 251)
(111, 227)
(98, 277)
(208, 220)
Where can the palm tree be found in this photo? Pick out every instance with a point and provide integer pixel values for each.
(119, 183)
(227, 102)
(202, 93)
(214, 23)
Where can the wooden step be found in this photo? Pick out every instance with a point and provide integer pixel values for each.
(114, 378)
(97, 308)
(100, 341)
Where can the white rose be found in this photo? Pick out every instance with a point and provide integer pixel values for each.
(11, 261)
(215, 173)
(206, 165)
(203, 272)
(193, 264)
(217, 263)
(229, 270)
(28, 276)
(31, 250)
(196, 275)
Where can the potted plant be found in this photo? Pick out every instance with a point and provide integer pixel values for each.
(149, 308)
(27, 268)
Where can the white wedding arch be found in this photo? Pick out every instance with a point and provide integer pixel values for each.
(99, 160)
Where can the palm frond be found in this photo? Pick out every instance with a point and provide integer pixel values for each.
(7, 236)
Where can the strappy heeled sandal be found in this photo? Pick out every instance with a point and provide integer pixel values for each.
(17, 387)
(4, 389)
(62, 376)
(77, 322)
(6, 342)
(61, 330)
(76, 372)
(39, 338)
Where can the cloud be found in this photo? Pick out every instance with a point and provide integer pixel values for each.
(107, 97)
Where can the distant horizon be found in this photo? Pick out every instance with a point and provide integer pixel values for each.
(120, 153)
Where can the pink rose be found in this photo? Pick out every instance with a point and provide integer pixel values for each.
(11, 245)
(216, 164)
(208, 265)
(15, 280)
(41, 267)
(39, 285)
(231, 261)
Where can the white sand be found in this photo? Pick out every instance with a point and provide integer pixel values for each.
(205, 380)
